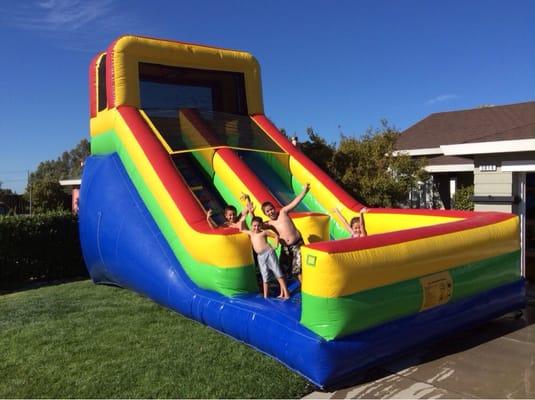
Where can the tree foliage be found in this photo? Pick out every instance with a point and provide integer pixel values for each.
(366, 167)
(318, 150)
(39, 247)
(4, 193)
(462, 199)
(47, 193)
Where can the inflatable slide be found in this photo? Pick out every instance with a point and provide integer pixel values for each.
(178, 129)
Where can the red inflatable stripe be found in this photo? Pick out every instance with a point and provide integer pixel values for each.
(262, 121)
(386, 239)
(429, 212)
(110, 75)
(93, 85)
(164, 167)
(256, 187)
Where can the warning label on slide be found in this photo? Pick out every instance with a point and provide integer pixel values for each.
(436, 289)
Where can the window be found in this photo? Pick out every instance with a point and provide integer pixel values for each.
(102, 97)
(167, 96)
(169, 88)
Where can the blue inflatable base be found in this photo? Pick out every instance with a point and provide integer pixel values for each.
(122, 245)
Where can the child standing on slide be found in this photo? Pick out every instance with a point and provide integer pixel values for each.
(285, 227)
(267, 259)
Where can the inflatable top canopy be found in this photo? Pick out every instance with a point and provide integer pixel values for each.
(178, 129)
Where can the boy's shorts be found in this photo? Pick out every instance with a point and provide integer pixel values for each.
(292, 256)
(267, 261)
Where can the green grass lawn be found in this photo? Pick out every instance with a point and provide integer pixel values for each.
(83, 340)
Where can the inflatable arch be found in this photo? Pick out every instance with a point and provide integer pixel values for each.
(177, 128)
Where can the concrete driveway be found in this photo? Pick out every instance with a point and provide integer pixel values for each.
(495, 360)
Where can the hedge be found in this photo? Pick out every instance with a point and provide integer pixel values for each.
(42, 247)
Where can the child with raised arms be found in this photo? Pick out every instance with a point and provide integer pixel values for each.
(267, 259)
(356, 226)
(232, 218)
(286, 229)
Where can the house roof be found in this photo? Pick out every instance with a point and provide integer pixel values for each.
(447, 160)
(443, 163)
(487, 124)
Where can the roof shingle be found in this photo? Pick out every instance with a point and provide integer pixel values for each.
(507, 122)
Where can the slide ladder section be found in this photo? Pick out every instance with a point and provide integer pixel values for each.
(274, 183)
(200, 185)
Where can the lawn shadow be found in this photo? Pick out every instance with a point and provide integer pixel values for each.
(7, 288)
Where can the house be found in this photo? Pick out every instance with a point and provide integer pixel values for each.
(490, 147)
(74, 185)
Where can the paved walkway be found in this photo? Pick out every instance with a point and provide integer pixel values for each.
(495, 360)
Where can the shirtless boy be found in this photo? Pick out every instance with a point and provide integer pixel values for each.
(232, 220)
(267, 259)
(291, 238)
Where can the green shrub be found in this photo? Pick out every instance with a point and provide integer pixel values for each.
(462, 199)
(42, 247)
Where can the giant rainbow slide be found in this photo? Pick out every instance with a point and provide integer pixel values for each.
(179, 128)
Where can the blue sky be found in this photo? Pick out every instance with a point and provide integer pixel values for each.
(338, 66)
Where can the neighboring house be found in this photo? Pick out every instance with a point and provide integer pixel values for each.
(4, 209)
(493, 148)
(13, 204)
(74, 184)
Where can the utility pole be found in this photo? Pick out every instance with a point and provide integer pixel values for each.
(30, 186)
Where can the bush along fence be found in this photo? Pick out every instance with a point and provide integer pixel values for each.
(42, 247)
(463, 199)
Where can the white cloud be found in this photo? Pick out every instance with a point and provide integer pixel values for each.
(54, 15)
(442, 97)
(76, 25)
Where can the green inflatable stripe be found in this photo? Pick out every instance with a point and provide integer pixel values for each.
(282, 171)
(335, 230)
(226, 193)
(484, 275)
(309, 201)
(104, 143)
(332, 318)
(205, 164)
(227, 281)
(219, 184)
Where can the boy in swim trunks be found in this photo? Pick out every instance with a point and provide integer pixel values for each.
(284, 226)
(267, 259)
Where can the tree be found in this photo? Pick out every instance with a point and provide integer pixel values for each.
(47, 193)
(4, 192)
(318, 150)
(462, 199)
(366, 167)
(5, 195)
